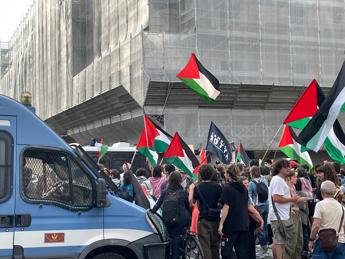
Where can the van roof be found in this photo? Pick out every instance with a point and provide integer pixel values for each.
(31, 130)
(110, 149)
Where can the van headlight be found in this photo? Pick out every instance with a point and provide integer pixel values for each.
(157, 225)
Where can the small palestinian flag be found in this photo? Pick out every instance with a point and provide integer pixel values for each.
(318, 128)
(102, 149)
(302, 112)
(242, 156)
(180, 155)
(289, 146)
(153, 140)
(199, 79)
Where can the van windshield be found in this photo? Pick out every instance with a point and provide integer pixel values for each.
(84, 156)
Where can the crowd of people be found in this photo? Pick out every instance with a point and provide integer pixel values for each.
(291, 208)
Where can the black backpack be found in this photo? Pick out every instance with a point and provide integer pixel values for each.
(172, 208)
(262, 191)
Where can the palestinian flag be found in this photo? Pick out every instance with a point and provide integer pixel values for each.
(180, 155)
(199, 79)
(203, 160)
(102, 149)
(305, 108)
(289, 146)
(319, 127)
(153, 140)
(242, 156)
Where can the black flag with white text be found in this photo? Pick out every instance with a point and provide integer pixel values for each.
(218, 144)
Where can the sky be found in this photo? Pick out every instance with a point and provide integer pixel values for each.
(11, 14)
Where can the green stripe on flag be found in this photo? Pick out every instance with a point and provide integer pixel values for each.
(333, 152)
(291, 153)
(197, 88)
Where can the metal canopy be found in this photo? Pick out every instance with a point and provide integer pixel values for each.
(114, 102)
(233, 96)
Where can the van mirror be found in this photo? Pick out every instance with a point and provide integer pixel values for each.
(101, 194)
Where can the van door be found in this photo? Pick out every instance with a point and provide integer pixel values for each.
(7, 146)
(55, 213)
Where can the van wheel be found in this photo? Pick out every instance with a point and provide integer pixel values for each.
(108, 255)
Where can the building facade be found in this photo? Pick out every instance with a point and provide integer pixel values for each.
(95, 66)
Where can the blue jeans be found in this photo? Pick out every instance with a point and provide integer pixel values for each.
(263, 236)
(175, 234)
(339, 252)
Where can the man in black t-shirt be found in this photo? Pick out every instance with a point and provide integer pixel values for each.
(207, 195)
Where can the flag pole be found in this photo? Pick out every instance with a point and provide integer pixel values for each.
(135, 153)
(275, 135)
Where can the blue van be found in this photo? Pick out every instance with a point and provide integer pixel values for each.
(55, 204)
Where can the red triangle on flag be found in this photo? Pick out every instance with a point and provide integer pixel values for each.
(286, 137)
(306, 105)
(175, 148)
(148, 134)
(191, 70)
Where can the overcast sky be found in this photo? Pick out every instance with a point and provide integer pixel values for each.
(11, 13)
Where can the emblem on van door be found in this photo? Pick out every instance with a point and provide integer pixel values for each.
(54, 237)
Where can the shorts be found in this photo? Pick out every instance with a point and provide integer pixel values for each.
(280, 238)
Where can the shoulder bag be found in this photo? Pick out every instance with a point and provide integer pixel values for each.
(328, 237)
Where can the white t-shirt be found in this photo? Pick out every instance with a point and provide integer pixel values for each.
(330, 212)
(279, 186)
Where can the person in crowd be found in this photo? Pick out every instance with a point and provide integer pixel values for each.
(186, 180)
(234, 223)
(327, 172)
(245, 181)
(304, 214)
(280, 205)
(241, 168)
(254, 162)
(127, 188)
(268, 163)
(303, 178)
(293, 249)
(176, 220)
(329, 214)
(234, 226)
(207, 195)
(155, 182)
(141, 175)
(222, 172)
(258, 192)
(266, 172)
(115, 177)
(167, 170)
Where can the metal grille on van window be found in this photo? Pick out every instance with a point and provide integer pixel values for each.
(53, 177)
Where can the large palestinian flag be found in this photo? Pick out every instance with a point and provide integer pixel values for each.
(318, 128)
(289, 146)
(199, 79)
(305, 108)
(242, 156)
(153, 140)
(180, 155)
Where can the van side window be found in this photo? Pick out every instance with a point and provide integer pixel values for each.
(5, 166)
(54, 177)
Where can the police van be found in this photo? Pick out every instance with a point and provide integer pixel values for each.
(54, 203)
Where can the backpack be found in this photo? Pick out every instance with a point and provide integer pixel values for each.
(262, 191)
(172, 208)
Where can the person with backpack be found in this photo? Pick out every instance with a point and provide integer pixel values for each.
(258, 192)
(207, 195)
(175, 211)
